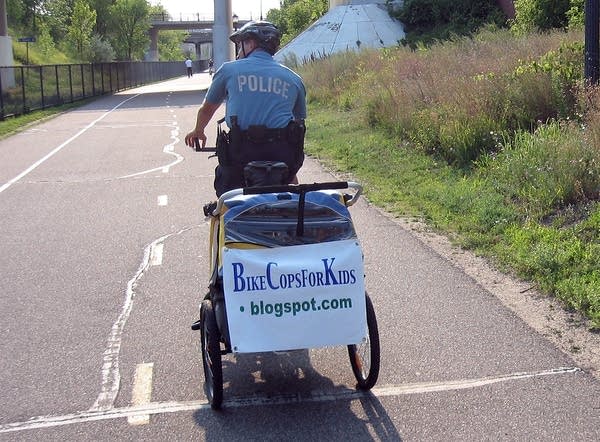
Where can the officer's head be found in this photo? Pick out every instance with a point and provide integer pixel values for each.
(259, 34)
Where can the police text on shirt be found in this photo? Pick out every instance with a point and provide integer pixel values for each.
(256, 83)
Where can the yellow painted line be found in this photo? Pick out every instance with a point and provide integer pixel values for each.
(142, 392)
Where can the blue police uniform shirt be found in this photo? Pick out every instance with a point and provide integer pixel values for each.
(261, 91)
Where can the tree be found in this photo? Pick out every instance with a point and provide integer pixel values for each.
(15, 10)
(169, 42)
(31, 7)
(296, 15)
(45, 42)
(576, 14)
(461, 16)
(102, 8)
(540, 15)
(82, 26)
(57, 14)
(427, 21)
(130, 21)
(100, 50)
(170, 45)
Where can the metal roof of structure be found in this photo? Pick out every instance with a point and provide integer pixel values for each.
(348, 27)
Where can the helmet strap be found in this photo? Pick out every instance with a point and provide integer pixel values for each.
(243, 48)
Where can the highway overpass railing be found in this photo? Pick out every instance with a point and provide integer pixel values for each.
(33, 87)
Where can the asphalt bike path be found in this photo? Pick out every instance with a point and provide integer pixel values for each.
(104, 263)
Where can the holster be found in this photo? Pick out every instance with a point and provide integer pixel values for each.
(229, 144)
(222, 144)
(296, 131)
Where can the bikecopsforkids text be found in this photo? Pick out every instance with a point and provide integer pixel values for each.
(272, 279)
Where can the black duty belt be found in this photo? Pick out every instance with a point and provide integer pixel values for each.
(261, 134)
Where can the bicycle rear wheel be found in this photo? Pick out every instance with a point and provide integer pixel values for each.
(365, 357)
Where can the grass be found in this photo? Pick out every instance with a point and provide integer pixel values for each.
(33, 53)
(491, 140)
(559, 258)
(12, 125)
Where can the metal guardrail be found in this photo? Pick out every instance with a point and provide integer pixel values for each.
(183, 17)
(33, 87)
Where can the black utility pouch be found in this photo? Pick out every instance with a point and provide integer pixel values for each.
(222, 145)
(295, 132)
(266, 173)
(295, 135)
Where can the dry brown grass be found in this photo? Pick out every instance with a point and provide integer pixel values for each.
(429, 95)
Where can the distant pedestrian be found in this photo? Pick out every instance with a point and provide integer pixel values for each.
(188, 65)
(211, 65)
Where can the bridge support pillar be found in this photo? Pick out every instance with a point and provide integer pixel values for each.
(223, 27)
(7, 76)
(153, 52)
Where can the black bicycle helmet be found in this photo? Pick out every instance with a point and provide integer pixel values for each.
(265, 33)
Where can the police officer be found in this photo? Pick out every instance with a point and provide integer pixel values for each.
(265, 107)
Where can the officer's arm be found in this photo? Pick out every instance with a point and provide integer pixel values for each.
(205, 113)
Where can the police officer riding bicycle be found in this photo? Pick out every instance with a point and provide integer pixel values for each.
(265, 109)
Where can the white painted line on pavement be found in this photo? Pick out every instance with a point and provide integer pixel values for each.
(156, 255)
(111, 376)
(142, 392)
(317, 396)
(156, 169)
(56, 150)
(168, 149)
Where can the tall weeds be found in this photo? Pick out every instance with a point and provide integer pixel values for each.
(448, 98)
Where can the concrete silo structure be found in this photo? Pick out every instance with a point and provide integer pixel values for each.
(348, 25)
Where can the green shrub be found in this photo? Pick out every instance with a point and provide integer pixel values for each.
(576, 14)
(564, 69)
(540, 15)
(428, 21)
(546, 170)
(463, 138)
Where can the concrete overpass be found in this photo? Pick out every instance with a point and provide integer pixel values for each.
(221, 27)
(199, 28)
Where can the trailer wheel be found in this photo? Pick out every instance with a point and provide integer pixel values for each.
(211, 356)
(365, 357)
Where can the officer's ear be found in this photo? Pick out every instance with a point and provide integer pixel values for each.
(251, 45)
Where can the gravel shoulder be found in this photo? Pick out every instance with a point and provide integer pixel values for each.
(569, 331)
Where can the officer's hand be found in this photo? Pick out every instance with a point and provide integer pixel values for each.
(195, 136)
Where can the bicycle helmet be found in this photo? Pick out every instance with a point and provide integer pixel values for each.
(264, 33)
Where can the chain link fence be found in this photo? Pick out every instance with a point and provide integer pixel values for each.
(33, 87)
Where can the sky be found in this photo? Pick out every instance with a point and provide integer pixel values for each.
(245, 9)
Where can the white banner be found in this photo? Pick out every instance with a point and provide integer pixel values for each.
(295, 297)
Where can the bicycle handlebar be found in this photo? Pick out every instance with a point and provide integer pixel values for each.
(296, 188)
(198, 148)
(292, 188)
